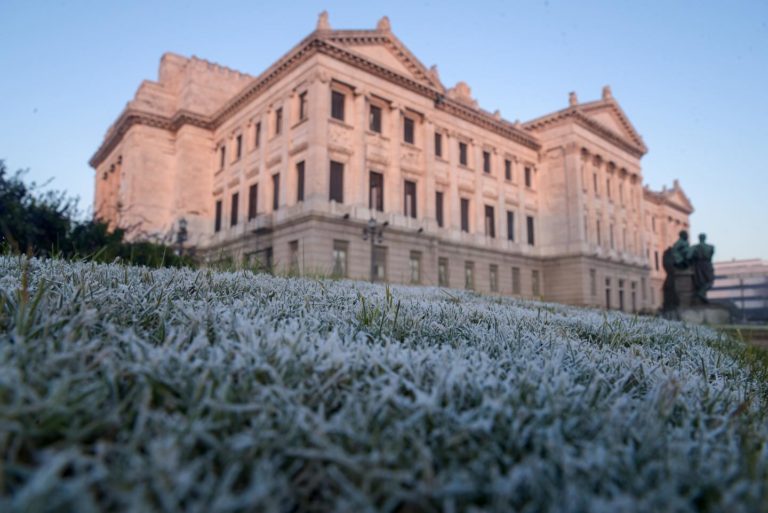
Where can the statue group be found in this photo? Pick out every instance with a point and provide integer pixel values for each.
(690, 273)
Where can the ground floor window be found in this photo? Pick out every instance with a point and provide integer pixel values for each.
(608, 293)
(515, 280)
(340, 250)
(493, 272)
(621, 295)
(379, 263)
(293, 253)
(442, 272)
(414, 266)
(469, 275)
(535, 283)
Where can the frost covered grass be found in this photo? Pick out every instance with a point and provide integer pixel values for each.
(125, 389)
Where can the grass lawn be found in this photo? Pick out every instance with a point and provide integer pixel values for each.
(127, 389)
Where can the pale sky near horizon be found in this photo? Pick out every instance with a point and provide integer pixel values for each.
(692, 76)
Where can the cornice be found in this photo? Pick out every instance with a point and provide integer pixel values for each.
(317, 42)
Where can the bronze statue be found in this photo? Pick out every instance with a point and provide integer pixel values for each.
(703, 271)
(681, 251)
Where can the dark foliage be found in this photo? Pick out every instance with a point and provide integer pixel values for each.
(44, 224)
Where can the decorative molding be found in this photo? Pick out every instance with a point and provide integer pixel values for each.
(317, 42)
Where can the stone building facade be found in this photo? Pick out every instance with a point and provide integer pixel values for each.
(286, 169)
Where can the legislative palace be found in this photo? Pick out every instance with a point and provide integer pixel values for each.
(349, 132)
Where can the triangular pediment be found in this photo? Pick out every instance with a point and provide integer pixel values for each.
(609, 114)
(383, 48)
(677, 196)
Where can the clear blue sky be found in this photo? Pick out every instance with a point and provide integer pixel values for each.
(692, 77)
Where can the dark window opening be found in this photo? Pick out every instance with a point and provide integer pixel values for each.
(510, 225)
(376, 198)
(217, 222)
(233, 213)
(336, 192)
(490, 221)
(438, 144)
(465, 215)
(275, 191)
(409, 199)
(300, 181)
(253, 199)
(439, 208)
(463, 153)
(408, 128)
(529, 222)
(375, 119)
(337, 105)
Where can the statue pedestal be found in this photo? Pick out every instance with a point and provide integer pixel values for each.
(685, 288)
(710, 313)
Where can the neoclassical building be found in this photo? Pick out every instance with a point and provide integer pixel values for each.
(349, 130)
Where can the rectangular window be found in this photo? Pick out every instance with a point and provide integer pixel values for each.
(463, 153)
(336, 192)
(337, 105)
(379, 263)
(233, 212)
(469, 275)
(486, 162)
(303, 106)
(593, 282)
(275, 191)
(594, 183)
(408, 135)
(510, 225)
(439, 208)
(278, 121)
(633, 287)
(414, 266)
(409, 199)
(529, 224)
(493, 277)
(528, 177)
(656, 259)
(442, 272)
(608, 293)
(293, 254)
(515, 280)
(253, 200)
(300, 181)
(438, 144)
(608, 188)
(374, 120)
(257, 135)
(217, 222)
(490, 221)
(535, 283)
(376, 197)
(508, 170)
(238, 146)
(222, 156)
(340, 250)
(464, 215)
(621, 295)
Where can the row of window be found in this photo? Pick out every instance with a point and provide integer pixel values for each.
(621, 291)
(632, 246)
(375, 113)
(376, 202)
(340, 270)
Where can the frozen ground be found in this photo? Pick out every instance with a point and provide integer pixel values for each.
(124, 389)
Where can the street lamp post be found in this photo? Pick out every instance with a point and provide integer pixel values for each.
(375, 232)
